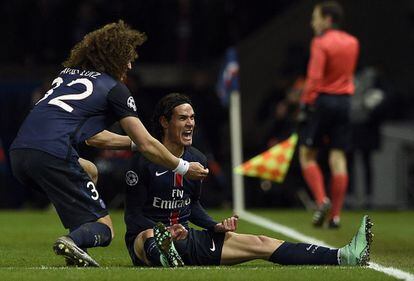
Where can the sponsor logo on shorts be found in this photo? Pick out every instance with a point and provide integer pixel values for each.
(131, 178)
(213, 248)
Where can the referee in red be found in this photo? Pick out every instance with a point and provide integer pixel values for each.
(326, 100)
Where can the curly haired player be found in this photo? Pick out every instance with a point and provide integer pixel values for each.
(86, 97)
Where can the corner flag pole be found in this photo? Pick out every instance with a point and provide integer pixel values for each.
(236, 150)
(229, 94)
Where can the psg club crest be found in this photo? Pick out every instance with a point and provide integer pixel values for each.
(131, 178)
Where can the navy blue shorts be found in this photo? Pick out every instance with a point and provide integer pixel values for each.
(202, 247)
(65, 183)
(328, 123)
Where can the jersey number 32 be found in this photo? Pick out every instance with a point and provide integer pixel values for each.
(59, 101)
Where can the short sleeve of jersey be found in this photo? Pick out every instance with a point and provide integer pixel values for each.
(120, 102)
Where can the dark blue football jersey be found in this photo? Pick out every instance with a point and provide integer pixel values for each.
(155, 194)
(79, 105)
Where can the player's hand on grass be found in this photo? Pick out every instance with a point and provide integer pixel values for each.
(229, 224)
(178, 232)
(196, 171)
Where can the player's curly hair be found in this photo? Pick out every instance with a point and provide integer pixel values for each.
(164, 108)
(108, 49)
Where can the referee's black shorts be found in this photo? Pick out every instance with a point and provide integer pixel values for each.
(67, 185)
(328, 123)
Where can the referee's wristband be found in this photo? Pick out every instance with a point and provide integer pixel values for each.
(133, 146)
(182, 167)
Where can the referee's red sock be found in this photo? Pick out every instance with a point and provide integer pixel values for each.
(314, 179)
(339, 185)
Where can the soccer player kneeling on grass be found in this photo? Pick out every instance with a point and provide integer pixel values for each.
(157, 217)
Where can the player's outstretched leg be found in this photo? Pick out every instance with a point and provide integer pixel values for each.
(64, 246)
(166, 246)
(358, 250)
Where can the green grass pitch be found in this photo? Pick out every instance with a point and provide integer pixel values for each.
(26, 239)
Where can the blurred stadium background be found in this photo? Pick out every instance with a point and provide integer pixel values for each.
(185, 52)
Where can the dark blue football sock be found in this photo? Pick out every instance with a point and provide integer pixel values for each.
(73, 229)
(91, 234)
(152, 252)
(302, 253)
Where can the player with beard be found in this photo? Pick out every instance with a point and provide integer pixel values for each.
(160, 204)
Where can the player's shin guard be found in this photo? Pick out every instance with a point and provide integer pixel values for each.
(302, 253)
(152, 252)
(92, 234)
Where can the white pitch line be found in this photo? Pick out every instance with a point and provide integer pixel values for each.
(289, 232)
(394, 272)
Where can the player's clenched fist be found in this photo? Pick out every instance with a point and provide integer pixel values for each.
(178, 232)
(196, 171)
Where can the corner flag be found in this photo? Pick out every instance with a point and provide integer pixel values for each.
(273, 164)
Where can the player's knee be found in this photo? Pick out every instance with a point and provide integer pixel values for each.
(144, 235)
(93, 174)
(263, 239)
(108, 223)
(90, 169)
(112, 232)
(267, 242)
(307, 156)
(266, 246)
(337, 162)
(94, 178)
(110, 235)
(139, 245)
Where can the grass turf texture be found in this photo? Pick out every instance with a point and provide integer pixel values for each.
(26, 250)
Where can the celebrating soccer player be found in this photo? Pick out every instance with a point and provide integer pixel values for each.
(160, 204)
(85, 97)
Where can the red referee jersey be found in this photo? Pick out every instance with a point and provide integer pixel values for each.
(331, 66)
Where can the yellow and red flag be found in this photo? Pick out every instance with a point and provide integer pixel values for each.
(273, 164)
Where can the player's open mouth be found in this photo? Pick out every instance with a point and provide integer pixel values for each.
(187, 135)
